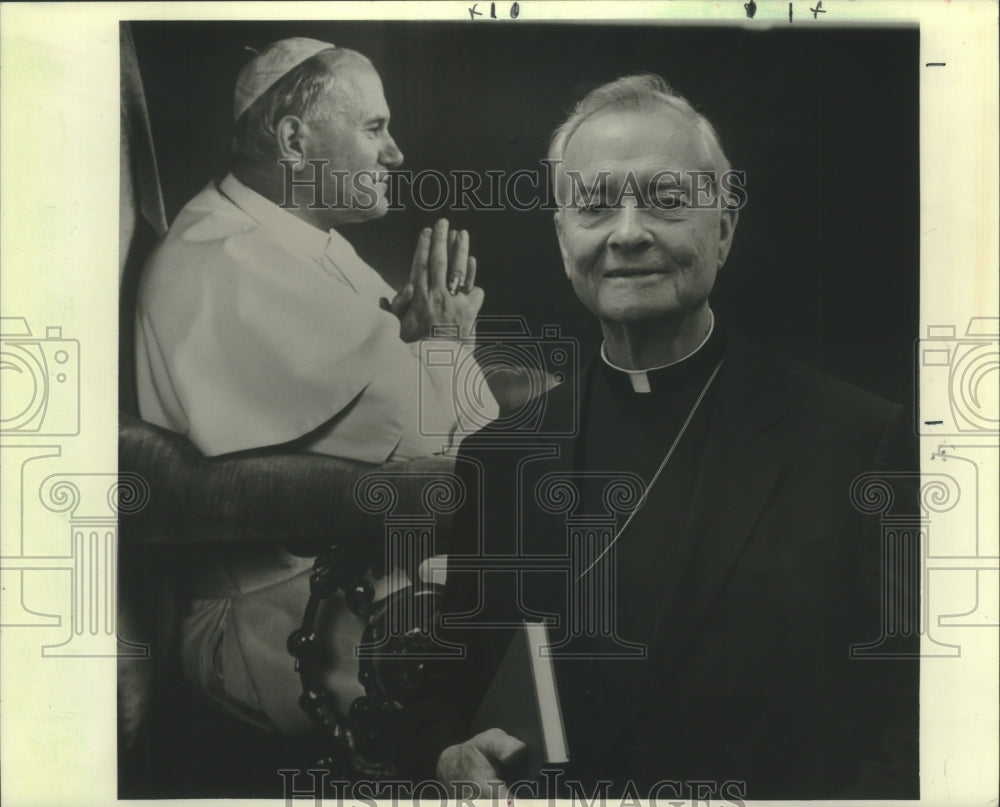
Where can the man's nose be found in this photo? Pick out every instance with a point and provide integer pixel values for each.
(390, 155)
(629, 231)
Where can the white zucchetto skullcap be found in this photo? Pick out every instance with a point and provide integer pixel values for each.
(264, 69)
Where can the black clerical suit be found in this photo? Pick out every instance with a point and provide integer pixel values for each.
(739, 588)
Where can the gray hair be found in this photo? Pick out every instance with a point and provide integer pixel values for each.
(639, 92)
(302, 91)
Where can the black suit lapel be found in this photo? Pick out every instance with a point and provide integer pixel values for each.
(738, 472)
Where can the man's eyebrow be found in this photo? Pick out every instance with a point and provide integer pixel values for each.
(380, 119)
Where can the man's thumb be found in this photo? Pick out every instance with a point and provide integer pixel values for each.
(476, 296)
(401, 300)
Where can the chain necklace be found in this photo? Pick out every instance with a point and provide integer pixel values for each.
(659, 471)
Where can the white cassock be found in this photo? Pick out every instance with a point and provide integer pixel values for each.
(254, 329)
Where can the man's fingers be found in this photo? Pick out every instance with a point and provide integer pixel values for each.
(418, 271)
(470, 274)
(499, 745)
(452, 238)
(513, 752)
(466, 764)
(477, 762)
(458, 261)
(438, 269)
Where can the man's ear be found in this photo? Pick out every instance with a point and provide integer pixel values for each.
(290, 136)
(727, 227)
(558, 219)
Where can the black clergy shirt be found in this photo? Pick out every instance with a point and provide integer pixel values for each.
(629, 431)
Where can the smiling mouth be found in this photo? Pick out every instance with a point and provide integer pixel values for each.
(612, 273)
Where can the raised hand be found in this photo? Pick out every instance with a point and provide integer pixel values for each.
(441, 298)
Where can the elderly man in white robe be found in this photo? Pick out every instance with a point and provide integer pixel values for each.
(258, 325)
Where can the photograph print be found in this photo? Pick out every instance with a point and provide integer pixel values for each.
(522, 407)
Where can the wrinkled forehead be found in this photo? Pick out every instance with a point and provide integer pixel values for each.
(640, 141)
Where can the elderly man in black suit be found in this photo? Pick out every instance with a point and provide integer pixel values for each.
(739, 577)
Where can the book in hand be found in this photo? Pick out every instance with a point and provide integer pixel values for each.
(523, 701)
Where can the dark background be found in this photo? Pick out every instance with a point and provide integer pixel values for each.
(825, 265)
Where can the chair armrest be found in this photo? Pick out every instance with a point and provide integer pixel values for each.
(274, 494)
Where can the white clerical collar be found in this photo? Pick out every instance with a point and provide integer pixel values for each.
(330, 249)
(640, 378)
